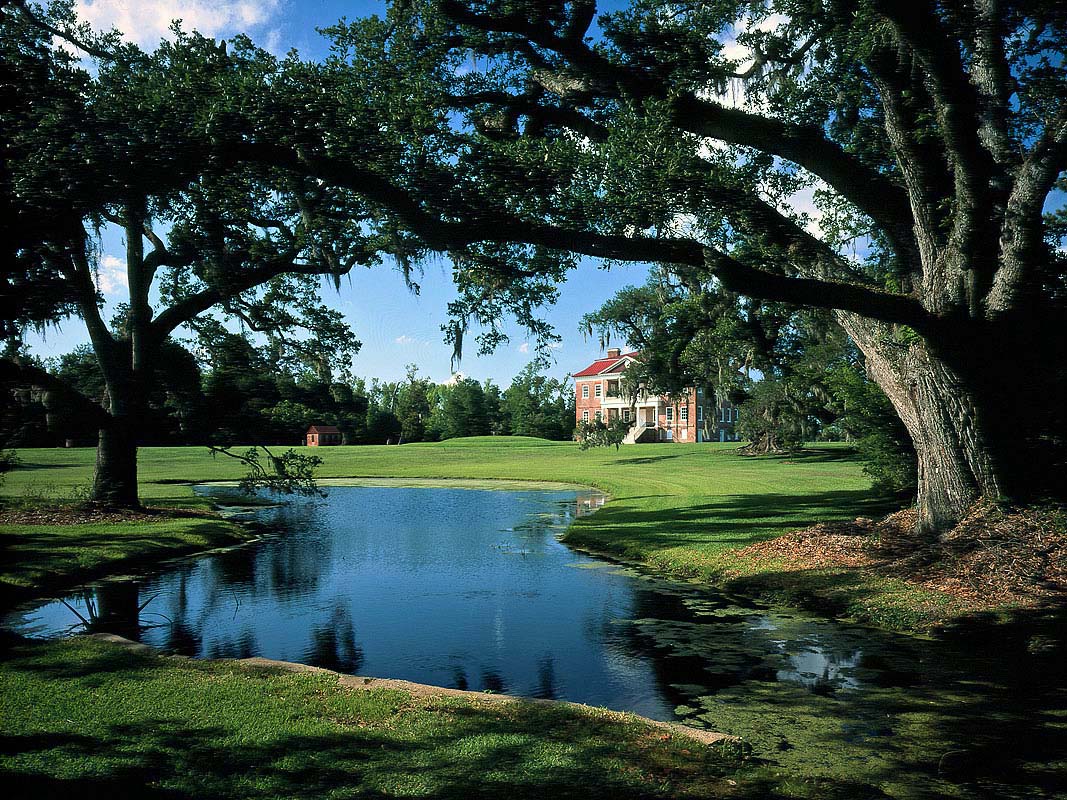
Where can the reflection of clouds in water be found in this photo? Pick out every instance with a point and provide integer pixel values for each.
(819, 667)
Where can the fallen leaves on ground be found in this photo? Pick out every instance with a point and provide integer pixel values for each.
(994, 557)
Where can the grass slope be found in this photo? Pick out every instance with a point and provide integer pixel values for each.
(90, 720)
(46, 558)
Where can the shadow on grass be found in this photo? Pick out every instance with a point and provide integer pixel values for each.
(648, 459)
(733, 520)
(449, 750)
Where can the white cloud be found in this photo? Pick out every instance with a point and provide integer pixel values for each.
(405, 339)
(111, 275)
(145, 22)
(524, 347)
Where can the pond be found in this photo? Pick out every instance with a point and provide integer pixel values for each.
(473, 589)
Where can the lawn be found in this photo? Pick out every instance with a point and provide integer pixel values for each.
(91, 720)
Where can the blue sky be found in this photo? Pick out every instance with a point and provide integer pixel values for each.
(395, 327)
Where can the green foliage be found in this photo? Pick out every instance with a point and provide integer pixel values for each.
(536, 405)
(768, 419)
(292, 418)
(289, 473)
(413, 406)
(9, 459)
(868, 418)
(462, 409)
(597, 433)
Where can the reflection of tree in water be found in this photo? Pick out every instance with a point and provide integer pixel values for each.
(243, 646)
(822, 669)
(459, 679)
(547, 688)
(333, 645)
(492, 681)
(236, 569)
(294, 566)
(181, 639)
(117, 608)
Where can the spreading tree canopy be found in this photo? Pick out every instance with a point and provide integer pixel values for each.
(926, 140)
(151, 144)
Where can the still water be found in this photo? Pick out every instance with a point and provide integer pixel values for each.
(473, 589)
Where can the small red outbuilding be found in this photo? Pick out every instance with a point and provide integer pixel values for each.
(323, 435)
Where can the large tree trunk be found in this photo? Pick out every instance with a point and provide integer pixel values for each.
(948, 415)
(115, 482)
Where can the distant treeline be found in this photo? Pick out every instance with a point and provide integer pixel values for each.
(235, 393)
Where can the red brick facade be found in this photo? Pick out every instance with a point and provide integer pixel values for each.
(688, 418)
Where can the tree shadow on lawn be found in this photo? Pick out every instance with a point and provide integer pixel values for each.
(733, 520)
(647, 459)
(815, 456)
(465, 752)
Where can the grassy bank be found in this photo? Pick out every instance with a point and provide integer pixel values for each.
(683, 509)
(45, 558)
(87, 719)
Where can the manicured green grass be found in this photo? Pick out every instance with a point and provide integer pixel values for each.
(38, 558)
(87, 719)
(681, 508)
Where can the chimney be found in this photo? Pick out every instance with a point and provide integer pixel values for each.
(614, 352)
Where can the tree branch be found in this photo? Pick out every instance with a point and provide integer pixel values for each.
(66, 36)
(1021, 234)
(874, 193)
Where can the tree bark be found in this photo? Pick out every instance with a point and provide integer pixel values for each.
(115, 482)
(947, 414)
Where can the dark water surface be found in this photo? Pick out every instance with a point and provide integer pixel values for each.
(472, 589)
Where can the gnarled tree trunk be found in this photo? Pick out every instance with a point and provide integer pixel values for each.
(950, 414)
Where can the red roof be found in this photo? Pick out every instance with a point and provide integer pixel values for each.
(323, 429)
(602, 364)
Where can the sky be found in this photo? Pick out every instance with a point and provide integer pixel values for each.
(395, 327)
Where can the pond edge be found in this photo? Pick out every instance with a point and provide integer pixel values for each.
(424, 690)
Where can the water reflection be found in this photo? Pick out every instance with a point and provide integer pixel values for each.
(334, 643)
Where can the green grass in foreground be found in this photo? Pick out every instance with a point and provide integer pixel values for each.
(683, 509)
(87, 719)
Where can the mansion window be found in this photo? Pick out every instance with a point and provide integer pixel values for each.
(585, 416)
(670, 413)
(585, 391)
(598, 414)
(684, 414)
(596, 391)
(626, 415)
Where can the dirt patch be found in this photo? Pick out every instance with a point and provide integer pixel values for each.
(93, 515)
(995, 557)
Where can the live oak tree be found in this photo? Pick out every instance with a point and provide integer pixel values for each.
(929, 136)
(146, 144)
(517, 136)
